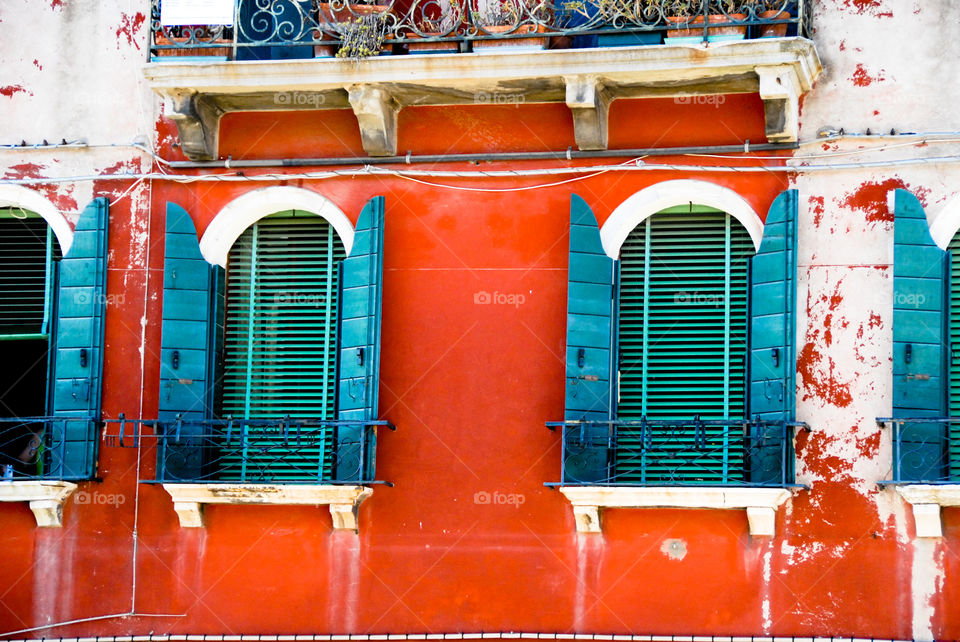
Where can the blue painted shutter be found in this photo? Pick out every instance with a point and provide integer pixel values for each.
(920, 273)
(77, 364)
(192, 289)
(359, 379)
(773, 295)
(590, 308)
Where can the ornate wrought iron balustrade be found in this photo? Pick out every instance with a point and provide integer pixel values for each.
(276, 29)
(925, 449)
(281, 450)
(691, 452)
(52, 448)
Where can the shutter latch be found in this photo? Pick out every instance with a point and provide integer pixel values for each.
(359, 356)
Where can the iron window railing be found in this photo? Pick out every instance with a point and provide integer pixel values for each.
(310, 28)
(925, 449)
(277, 451)
(695, 452)
(48, 448)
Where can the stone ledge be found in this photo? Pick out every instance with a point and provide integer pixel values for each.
(196, 94)
(926, 500)
(343, 501)
(760, 503)
(46, 498)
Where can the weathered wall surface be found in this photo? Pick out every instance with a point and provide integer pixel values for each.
(469, 386)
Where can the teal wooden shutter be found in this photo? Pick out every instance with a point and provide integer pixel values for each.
(280, 347)
(77, 363)
(359, 379)
(773, 296)
(28, 250)
(682, 345)
(920, 272)
(590, 284)
(192, 293)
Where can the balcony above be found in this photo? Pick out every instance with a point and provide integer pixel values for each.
(198, 89)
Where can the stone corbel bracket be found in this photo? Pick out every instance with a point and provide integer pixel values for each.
(589, 102)
(780, 92)
(343, 501)
(760, 503)
(376, 112)
(198, 121)
(926, 500)
(46, 498)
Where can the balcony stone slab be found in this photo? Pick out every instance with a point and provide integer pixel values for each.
(197, 94)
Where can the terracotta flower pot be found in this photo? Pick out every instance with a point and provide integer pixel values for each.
(690, 28)
(192, 51)
(533, 42)
(431, 47)
(774, 31)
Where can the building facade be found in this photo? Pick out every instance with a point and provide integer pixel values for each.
(596, 318)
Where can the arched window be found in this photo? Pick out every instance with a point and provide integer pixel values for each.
(682, 341)
(280, 338)
(51, 336)
(680, 351)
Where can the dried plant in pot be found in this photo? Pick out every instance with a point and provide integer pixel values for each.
(438, 19)
(690, 14)
(363, 37)
(511, 18)
(340, 16)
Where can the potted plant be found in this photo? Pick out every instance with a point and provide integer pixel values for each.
(773, 10)
(340, 16)
(436, 22)
(512, 17)
(626, 14)
(689, 13)
(186, 41)
(363, 37)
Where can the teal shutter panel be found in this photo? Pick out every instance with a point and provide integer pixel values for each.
(359, 380)
(280, 348)
(773, 302)
(77, 360)
(192, 294)
(920, 272)
(589, 357)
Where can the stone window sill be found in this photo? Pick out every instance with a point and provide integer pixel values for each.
(926, 500)
(343, 501)
(760, 503)
(46, 498)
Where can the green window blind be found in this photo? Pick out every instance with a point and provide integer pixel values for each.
(953, 359)
(28, 250)
(280, 341)
(682, 339)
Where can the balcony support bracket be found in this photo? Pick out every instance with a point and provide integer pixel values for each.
(376, 112)
(780, 92)
(343, 502)
(760, 503)
(589, 103)
(198, 121)
(46, 498)
(927, 500)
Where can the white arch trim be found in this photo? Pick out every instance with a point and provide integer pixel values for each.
(245, 210)
(25, 198)
(946, 224)
(660, 196)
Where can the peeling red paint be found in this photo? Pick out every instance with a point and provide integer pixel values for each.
(871, 198)
(816, 206)
(869, 446)
(37, 64)
(129, 25)
(10, 90)
(24, 170)
(875, 320)
(817, 372)
(868, 6)
(861, 78)
(56, 4)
